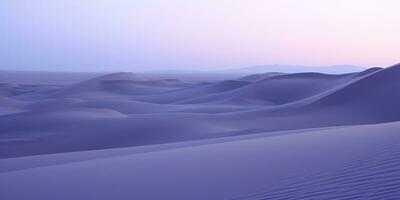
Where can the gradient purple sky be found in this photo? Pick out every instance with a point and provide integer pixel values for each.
(138, 35)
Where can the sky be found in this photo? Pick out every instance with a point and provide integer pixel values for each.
(143, 35)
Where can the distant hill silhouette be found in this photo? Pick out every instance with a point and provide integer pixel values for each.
(334, 69)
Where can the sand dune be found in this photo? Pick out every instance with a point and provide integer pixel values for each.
(123, 135)
(258, 77)
(124, 109)
(277, 90)
(355, 162)
(198, 90)
(45, 78)
(117, 83)
(9, 105)
(374, 95)
(8, 89)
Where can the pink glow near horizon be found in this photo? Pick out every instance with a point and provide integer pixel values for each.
(206, 34)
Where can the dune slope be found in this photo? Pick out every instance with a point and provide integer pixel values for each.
(124, 109)
(340, 163)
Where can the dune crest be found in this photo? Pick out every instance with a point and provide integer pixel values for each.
(130, 109)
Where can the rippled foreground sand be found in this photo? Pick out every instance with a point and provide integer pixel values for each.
(265, 136)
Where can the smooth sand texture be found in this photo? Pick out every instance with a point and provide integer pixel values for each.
(348, 162)
(264, 136)
(126, 109)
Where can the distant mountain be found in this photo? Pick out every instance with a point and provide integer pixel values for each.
(334, 69)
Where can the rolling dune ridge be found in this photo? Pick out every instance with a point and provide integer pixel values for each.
(263, 136)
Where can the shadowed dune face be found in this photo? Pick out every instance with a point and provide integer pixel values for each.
(195, 91)
(277, 89)
(290, 88)
(258, 77)
(125, 109)
(376, 95)
(118, 84)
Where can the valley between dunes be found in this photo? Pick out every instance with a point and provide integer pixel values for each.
(264, 136)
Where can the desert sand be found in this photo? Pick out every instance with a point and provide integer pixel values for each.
(262, 136)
